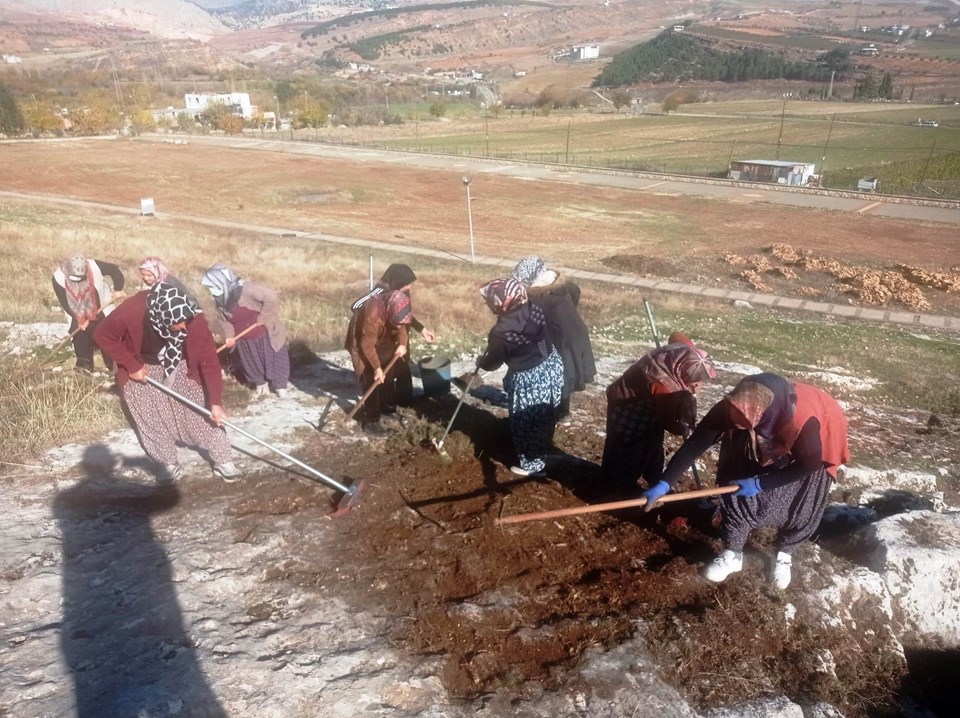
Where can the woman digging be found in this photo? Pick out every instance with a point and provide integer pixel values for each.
(534, 379)
(781, 444)
(253, 311)
(160, 334)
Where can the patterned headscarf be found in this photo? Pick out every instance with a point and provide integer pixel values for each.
(79, 288)
(766, 402)
(157, 267)
(398, 309)
(678, 366)
(503, 295)
(528, 269)
(224, 285)
(168, 305)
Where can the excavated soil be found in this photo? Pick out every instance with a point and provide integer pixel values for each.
(512, 608)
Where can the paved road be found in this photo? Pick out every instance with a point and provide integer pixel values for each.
(927, 321)
(869, 204)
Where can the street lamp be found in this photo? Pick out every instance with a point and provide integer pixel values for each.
(466, 183)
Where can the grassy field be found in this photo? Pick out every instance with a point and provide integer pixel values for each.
(850, 140)
(318, 282)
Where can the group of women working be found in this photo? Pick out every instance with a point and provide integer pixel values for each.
(160, 335)
(780, 442)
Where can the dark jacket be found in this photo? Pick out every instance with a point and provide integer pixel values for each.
(127, 337)
(568, 332)
(520, 339)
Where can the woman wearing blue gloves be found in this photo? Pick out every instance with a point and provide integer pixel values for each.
(781, 443)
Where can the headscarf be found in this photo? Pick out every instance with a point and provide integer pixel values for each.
(79, 287)
(767, 403)
(157, 267)
(676, 367)
(503, 295)
(225, 286)
(168, 305)
(398, 309)
(528, 269)
(396, 277)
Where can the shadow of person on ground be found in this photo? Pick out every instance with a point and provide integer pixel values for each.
(123, 637)
(316, 376)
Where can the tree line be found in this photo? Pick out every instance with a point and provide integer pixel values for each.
(674, 56)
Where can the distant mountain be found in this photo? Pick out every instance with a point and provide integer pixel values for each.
(161, 18)
(247, 14)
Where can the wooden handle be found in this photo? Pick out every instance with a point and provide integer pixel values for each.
(372, 388)
(241, 334)
(614, 505)
(74, 333)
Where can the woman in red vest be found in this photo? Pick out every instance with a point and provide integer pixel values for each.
(781, 444)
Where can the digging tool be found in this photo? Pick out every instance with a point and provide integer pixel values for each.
(63, 342)
(653, 326)
(351, 494)
(439, 444)
(240, 335)
(373, 387)
(615, 505)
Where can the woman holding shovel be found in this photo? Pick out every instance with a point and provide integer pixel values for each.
(656, 394)
(780, 444)
(378, 339)
(160, 334)
(534, 380)
(80, 286)
(252, 311)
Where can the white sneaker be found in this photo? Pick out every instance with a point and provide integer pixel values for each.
(171, 474)
(260, 391)
(723, 565)
(780, 574)
(228, 471)
(532, 473)
(281, 393)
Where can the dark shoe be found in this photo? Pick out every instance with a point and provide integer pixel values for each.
(374, 428)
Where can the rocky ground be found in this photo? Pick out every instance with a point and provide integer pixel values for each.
(122, 596)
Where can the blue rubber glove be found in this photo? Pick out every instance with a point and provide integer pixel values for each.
(655, 493)
(748, 487)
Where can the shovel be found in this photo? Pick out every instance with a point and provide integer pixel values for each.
(373, 388)
(240, 335)
(439, 444)
(614, 505)
(63, 342)
(351, 494)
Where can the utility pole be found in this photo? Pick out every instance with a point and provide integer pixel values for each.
(783, 113)
(830, 91)
(823, 160)
(466, 183)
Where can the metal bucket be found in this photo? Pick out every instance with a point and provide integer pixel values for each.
(435, 375)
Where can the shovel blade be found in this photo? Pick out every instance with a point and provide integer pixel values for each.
(350, 499)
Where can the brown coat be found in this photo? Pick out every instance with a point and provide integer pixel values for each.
(371, 341)
(266, 303)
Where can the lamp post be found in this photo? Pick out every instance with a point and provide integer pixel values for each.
(466, 183)
(276, 119)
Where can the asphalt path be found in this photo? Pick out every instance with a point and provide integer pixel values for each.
(874, 205)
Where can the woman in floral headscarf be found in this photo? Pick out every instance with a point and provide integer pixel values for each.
(263, 353)
(162, 335)
(656, 394)
(534, 381)
(84, 295)
(560, 299)
(153, 270)
(781, 444)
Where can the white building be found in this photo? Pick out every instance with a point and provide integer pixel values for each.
(585, 52)
(238, 102)
(12, 59)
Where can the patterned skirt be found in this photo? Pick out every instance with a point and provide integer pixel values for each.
(261, 364)
(533, 396)
(161, 421)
